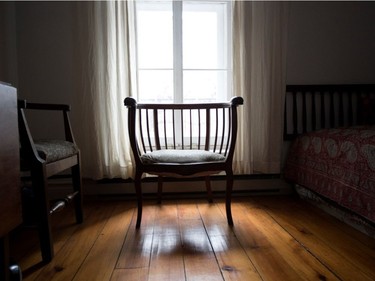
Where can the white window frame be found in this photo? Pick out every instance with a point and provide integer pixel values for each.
(225, 90)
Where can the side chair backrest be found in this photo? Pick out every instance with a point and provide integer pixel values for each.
(64, 109)
(205, 126)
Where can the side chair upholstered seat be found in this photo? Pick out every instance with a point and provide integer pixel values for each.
(54, 150)
(43, 159)
(183, 140)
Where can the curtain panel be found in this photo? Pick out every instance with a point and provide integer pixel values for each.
(107, 49)
(259, 73)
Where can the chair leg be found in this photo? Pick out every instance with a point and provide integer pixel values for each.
(160, 188)
(229, 197)
(138, 191)
(208, 187)
(77, 186)
(39, 182)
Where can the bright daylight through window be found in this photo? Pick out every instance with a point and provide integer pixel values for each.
(183, 51)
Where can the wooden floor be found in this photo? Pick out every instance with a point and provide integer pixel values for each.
(274, 238)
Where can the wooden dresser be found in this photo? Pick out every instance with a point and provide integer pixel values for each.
(10, 194)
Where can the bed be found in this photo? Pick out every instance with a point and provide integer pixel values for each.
(331, 158)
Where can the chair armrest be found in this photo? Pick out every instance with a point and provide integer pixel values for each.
(236, 101)
(130, 102)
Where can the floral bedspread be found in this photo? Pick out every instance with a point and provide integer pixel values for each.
(338, 164)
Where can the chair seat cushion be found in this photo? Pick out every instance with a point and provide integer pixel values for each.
(181, 156)
(53, 150)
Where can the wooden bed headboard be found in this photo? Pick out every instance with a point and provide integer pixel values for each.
(314, 107)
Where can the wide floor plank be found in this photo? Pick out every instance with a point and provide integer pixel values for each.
(267, 258)
(306, 266)
(108, 245)
(133, 274)
(347, 260)
(166, 260)
(232, 259)
(72, 255)
(273, 238)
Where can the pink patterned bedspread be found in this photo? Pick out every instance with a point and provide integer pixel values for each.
(338, 164)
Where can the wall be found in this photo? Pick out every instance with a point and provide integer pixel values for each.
(45, 48)
(8, 56)
(331, 42)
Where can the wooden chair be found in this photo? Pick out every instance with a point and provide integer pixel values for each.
(45, 158)
(183, 140)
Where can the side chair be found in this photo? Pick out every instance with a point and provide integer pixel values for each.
(183, 140)
(44, 159)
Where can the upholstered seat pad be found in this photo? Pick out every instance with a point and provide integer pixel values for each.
(53, 150)
(181, 156)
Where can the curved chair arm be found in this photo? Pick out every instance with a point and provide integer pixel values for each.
(130, 102)
(236, 101)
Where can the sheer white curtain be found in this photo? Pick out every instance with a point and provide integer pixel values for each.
(259, 48)
(107, 40)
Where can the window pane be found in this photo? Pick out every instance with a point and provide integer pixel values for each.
(155, 86)
(204, 36)
(155, 35)
(205, 86)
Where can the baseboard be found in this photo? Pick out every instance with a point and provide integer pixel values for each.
(180, 188)
(254, 186)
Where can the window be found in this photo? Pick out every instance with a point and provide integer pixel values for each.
(183, 51)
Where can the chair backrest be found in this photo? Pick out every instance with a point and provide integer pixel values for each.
(26, 138)
(205, 126)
